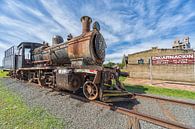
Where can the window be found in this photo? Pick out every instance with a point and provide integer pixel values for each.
(141, 61)
(27, 53)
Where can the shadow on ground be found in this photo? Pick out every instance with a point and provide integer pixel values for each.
(133, 102)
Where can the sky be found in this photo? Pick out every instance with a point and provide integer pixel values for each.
(128, 26)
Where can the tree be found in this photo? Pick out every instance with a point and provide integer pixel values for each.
(109, 64)
(123, 62)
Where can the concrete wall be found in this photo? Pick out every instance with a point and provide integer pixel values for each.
(181, 72)
(176, 72)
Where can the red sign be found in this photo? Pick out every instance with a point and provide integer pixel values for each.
(174, 59)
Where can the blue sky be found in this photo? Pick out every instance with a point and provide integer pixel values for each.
(128, 26)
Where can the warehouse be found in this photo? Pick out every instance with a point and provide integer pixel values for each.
(164, 64)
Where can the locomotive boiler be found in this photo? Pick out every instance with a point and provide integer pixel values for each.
(86, 49)
(73, 65)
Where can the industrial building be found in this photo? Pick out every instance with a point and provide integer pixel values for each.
(185, 44)
(175, 64)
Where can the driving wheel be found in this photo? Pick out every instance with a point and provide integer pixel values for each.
(90, 90)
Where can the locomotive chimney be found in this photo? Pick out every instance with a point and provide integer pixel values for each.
(86, 21)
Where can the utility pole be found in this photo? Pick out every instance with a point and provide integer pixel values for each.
(151, 70)
(194, 65)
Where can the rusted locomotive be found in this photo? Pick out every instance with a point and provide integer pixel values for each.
(86, 49)
(71, 65)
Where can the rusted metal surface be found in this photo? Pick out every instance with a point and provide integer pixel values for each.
(90, 90)
(97, 77)
(36, 68)
(40, 61)
(56, 55)
(79, 47)
(133, 123)
(86, 21)
(67, 81)
(88, 48)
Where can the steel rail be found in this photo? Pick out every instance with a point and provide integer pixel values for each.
(165, 99)
(139, 116)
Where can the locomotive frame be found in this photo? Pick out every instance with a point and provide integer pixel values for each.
(95, 81)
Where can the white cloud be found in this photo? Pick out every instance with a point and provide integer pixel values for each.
(63, 16)
(28, 29)
(3, 45)
(118, 54)
(18, 7)
(25, 26)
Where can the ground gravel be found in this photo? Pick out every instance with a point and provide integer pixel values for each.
(169, 111)
(81, 115)
(76, 114)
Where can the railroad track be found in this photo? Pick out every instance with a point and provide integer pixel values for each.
(135, 116)
(165, 99)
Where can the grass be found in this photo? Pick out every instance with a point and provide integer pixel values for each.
(122, 79)
(160, 91)
(3, 73)
(15, 114)
(148, 89)
(123, 70)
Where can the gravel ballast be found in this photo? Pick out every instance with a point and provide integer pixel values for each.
(177, 113)
(77, 114)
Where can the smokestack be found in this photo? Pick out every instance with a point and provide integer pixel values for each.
(86, 21)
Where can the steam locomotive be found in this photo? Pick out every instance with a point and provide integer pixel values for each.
(71, 65)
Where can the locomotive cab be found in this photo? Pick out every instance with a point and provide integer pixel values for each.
(24, 56)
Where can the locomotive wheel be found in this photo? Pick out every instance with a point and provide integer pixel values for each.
(75, 82)
(90, 90)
